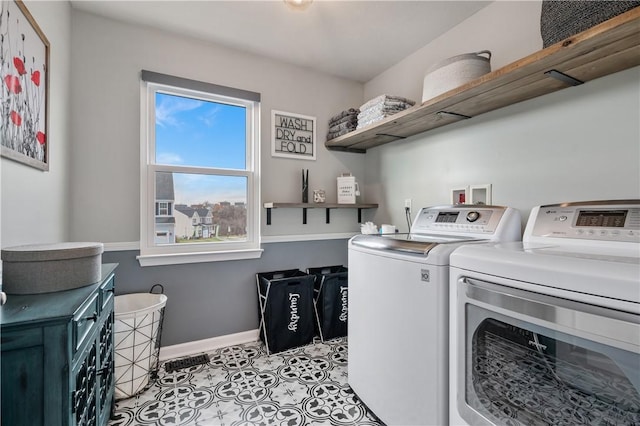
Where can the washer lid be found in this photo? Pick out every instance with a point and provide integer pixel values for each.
(405, 243)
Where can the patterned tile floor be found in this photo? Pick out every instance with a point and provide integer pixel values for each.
(241, 385)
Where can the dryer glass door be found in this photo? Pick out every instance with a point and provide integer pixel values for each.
(532, 359)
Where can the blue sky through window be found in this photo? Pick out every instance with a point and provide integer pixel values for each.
(201, 133)
(194, 132)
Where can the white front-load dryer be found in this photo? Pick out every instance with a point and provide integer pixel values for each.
(547, 331)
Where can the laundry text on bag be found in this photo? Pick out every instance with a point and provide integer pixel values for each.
(293, 306)
(343, 297)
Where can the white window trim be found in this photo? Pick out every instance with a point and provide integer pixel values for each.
(198, 257)
(152, 255)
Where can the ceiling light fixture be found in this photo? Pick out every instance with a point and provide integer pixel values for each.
(298, 4)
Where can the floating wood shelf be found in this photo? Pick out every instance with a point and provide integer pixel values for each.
(326, 206)
(604, 49)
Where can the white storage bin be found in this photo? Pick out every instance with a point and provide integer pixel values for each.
(138, 327)
(454, 72)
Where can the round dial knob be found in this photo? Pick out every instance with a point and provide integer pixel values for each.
(472, 216)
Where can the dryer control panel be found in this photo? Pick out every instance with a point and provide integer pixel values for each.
(617, 221)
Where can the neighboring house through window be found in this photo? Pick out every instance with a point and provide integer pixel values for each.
(164, 222)
(199, 171)
(193, 223)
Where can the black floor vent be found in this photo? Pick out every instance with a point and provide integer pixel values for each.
(171, 366)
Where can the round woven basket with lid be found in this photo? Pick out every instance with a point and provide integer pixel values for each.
(454, 72)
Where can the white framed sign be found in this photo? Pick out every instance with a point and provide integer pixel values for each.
(293, 135)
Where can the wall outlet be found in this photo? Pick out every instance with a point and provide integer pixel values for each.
(407, 204)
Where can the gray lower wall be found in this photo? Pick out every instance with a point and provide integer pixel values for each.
(213, 299)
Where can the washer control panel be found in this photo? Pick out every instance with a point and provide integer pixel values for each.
(458, 218)
(599, 221)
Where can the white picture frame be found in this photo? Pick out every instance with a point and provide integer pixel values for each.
(293, 135)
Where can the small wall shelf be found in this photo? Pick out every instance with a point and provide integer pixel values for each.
(326, 206)
(604, 49)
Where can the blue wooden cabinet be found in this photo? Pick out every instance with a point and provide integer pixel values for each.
(57, 356)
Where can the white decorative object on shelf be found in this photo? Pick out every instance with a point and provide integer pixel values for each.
(347, 189)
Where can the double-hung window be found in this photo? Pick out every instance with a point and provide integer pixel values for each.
(199, 171)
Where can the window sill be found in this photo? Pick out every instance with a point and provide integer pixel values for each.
(183, 258)
(266, 239)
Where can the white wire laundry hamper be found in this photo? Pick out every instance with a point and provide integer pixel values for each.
(138, 329)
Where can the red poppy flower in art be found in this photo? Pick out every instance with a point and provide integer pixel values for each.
(15, 117)
(35, 77)
(19, 65)
(13, 84)
(41, 138)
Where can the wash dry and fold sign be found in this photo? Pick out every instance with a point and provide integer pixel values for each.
(293, 135)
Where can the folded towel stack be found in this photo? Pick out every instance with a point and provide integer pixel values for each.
(343, 123)
(381, 107)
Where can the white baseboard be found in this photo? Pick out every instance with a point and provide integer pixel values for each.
(207, 345)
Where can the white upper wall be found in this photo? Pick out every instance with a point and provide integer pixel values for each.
(580, 143)
(586, 137)
(577, 144)
(509, 29)
(35, 204)
(107, 59)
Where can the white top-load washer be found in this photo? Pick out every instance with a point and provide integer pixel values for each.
(547, 331)
(398, 309)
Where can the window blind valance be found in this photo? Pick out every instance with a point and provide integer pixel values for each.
(170, 80)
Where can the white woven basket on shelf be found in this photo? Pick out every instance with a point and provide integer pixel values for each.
(454, 72)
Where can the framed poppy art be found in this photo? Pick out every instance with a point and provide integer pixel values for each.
(24, 68)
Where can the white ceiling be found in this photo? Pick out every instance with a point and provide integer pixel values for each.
(352, 39)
